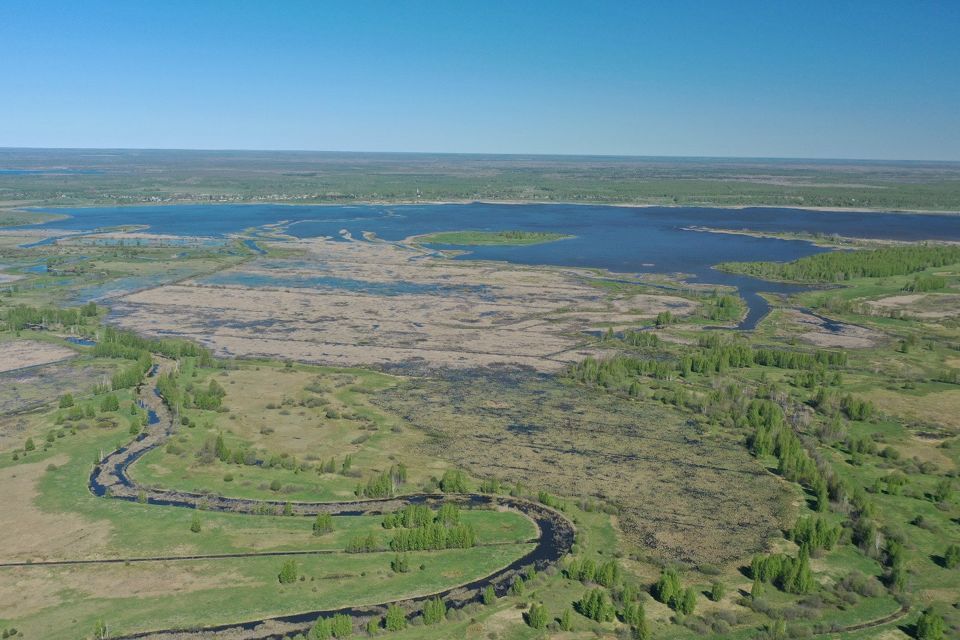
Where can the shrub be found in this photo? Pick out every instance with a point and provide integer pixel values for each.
(951, 557)
(323, 524)
(537, 616)
(341, 626)
(395, 619)
(434, 611)
(109, 403)
(400, 564)
(453, 481)
(288, 572)
(489, 595)
(595, 604)
(717, 591)
(930, 626)
(321, 630)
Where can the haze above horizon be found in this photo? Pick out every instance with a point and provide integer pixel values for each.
(695, 79)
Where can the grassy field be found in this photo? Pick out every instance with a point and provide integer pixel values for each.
(307, 414)
(54, 517)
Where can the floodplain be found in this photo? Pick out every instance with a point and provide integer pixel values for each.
(268, 431)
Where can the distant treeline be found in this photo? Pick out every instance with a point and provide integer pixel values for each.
(115, 343)
(23, 316)
(712, 355)
(838, 266)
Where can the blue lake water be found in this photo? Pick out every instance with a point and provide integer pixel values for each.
(621, 239)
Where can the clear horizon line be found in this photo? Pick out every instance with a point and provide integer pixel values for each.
(497, 154)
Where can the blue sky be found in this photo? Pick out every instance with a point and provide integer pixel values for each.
(870, 79)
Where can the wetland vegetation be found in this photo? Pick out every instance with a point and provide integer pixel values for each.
(329, 436)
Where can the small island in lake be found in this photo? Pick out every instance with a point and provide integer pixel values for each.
(475, 238)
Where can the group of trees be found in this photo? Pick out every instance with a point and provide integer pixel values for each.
(537, 616)
(363, 544)
(596, 605)
(434, 611)
(323, 524)
(453, 481)
(814, 532)
(131, 375)
(830, 403)
(669, 591)
(211, 398)
(109, 402)
(383, 485)
(418, 515)
(773, 436)
(837, 266)
(926, 282)
(339, 626)
(722, 308)
(600, 603)
(433, 537)
(288, 572)
(117, 343)
(23, 316)
(713, 354)
(330, 466)
(789, 574)
(607, 574)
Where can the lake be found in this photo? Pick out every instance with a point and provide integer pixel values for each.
(622, 239)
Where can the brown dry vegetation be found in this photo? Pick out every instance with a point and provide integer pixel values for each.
(940, 408)
(684, 495)
(481, 314)
(32, 533)
(18, 354)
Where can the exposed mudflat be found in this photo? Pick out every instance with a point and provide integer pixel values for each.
(379, 304)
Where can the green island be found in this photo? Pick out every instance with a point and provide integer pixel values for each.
(468, 238)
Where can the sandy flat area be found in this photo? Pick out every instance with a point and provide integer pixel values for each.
(816, 331)
(920, 305)
(17, 354)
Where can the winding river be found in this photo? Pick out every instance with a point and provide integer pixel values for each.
(110, 479)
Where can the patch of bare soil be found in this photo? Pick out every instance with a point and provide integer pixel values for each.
(932, 306)
(830, 334)
(18, 354)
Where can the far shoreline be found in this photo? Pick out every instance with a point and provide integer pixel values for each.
(39, 208)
